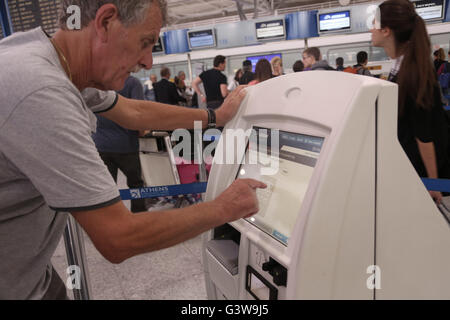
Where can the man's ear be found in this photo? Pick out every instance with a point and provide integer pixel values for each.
(106, 15)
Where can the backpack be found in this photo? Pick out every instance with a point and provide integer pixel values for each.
(353, 70)
(444, 76)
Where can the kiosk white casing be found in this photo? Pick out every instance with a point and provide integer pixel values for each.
(364, 205)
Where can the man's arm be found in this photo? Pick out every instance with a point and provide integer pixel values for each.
(149, 115)
(118, 234)
(224, 90)
(428, 155)
(195, 86)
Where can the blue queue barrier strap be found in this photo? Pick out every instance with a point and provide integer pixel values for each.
(163, 191)
(441, 185)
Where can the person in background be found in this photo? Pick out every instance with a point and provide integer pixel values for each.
(340, 64)
(277, 67)
(214, 82)
(183, 90)
(149, 91)
(179, 81)
(248, 74)
(166, 91)
(312, 59)
(362, 59)
(439, 58)
(298, 66)
(119, 147)
(263, 72)
(422, 126)
(235, 82)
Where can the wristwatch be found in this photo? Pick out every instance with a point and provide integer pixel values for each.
(212, 122)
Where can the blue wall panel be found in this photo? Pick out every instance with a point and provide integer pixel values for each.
(447, 13)
(301, 25)
(4, 20)
(175, 41)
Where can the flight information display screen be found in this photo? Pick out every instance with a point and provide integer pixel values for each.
(430, 9)
(284, 161)
(335, 21)
(202, 39)
(158, 47)
(269, 30)
(29, 14)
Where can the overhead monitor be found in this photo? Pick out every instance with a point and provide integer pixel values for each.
(296, 156)
(430, 10)
(270, 30)
(26, 15)
(269, 57)
(334, 21)
(202, 39)
(159, 46)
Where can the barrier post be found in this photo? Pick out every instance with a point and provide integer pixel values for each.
(76, 256)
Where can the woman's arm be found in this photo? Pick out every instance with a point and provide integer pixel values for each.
(428, 154)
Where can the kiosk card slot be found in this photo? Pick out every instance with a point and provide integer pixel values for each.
(227, 232)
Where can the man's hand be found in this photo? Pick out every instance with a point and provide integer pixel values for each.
(239, 200)
(230, 106)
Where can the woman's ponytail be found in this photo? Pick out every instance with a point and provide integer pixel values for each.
(416, 77)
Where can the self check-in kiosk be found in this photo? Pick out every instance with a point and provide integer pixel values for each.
(345, 215)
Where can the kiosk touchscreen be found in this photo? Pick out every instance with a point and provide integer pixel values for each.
(344, 216)
(296, 156)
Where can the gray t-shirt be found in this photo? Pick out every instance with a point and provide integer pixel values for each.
(48, 161)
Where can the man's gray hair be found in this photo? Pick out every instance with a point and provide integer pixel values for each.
(131, 12)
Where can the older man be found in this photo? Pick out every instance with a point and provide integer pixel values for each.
(49, 164)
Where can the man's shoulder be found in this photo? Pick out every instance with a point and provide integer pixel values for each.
(28, 67)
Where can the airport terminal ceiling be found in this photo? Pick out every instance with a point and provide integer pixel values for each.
(189, 13)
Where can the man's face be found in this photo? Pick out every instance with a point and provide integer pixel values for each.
(223, 66)
(127, 50)
(153, 78)
(308, 61)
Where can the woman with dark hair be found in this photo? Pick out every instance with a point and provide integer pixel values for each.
(422, 126)
(235, 82)
(263, 72)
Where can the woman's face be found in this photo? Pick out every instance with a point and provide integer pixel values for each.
(277, 68)
(377, 36)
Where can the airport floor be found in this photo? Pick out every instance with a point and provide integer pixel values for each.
(175, 273)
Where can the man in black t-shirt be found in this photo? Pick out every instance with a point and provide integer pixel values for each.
(215, 84)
